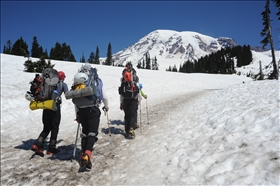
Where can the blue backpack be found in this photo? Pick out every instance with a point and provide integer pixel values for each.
(91, 92)
(93, 81)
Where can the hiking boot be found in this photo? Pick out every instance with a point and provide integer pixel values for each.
(85, 159)
(131, 134)
(37, 150)
(52, 151)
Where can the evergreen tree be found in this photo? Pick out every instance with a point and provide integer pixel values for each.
(96, 59)
(37, 66)
(46, 54)
(36, 49)
(277, 3)
(154, 64)
(8, 47)
(174, 69)
(247, 54)
(91, 58)
(20, 48)
(56, 52)
(223, 69)
(169, 69)
(148, 61)
(72, 57)
(143, 64)
(139, 64)
(67, 53)
(42, 64)
(62, 52)
(268, 38)
(83, 59)
(239, 61)
(29, 65)
(109, 56)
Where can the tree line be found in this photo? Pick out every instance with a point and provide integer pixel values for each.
(58, 52)
(221, 62)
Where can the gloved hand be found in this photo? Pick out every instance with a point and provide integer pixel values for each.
(105, 108)
(145, 96)
(77, 118)
(58, 100)
(121, 106)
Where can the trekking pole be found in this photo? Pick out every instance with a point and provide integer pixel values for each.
(74, 153)
(140, 118)
(147, 111)
(111, 139)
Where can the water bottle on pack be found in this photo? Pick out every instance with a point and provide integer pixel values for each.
(54, 94)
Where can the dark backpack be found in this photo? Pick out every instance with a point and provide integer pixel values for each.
(128, 90)
(129, 80)
(42, 87)
(132, 71)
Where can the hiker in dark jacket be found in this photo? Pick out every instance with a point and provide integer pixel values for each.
(51, 121)
(129, 99)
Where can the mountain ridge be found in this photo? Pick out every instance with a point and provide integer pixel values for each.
(173, 48)
(170, 45)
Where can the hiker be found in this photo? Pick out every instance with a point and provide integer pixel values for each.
(140, 95)
(129, 91)
(87, 110)
(51, 121)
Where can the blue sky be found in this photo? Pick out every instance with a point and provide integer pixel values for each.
(84, 25)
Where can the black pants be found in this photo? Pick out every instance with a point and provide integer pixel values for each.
(130, 107)
(90, 119)
(51, 121)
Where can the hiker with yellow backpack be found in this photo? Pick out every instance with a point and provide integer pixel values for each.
(51, 115)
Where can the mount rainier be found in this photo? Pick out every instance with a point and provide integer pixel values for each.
(171, 48)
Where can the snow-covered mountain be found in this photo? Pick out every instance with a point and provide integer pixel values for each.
(171, 47)
(174, 48)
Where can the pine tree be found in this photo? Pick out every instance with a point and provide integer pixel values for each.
(83, 59)
(56, 52)
(277, 3)
(36, 49)
(148, 61)
(91, 58)
(154, 64)
(96, 59)
(46, 54)
(268, 38)
(8, 47)
(143, 64)
(139, 64)
(109, 56)
(20, 48)
(62, 52)
(169, 69)
(174, 69)
(72, 57)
